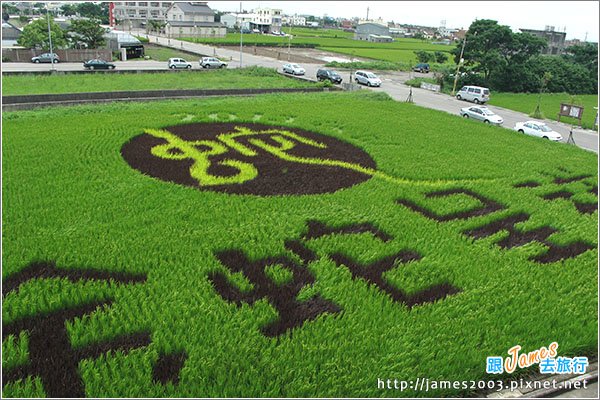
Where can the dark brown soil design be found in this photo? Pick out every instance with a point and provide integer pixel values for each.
(46, 270)
(373, 274)
(561, 194)
(559, 180)
(489, 206)
(586, 208)
(298, 248)
(518, 238)
(317, 229)
(167, 368)
(275, 176)
(528, 184)
(51, 356)
(594, 190)
(292, 313)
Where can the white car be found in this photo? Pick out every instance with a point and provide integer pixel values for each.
(481, 113)
(178, 63)
(367, 78)
(293, 69)
(538, 129)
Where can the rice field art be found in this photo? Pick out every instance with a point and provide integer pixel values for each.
(229, 247)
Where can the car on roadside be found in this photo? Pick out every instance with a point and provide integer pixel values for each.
(212, 62)
(481, 113)
(421, 67)
(476, 94)
(328, 74)
(367, 78)
(539, 129)
(46, 58)
(293, 69)
(98, 64)
(178, 63)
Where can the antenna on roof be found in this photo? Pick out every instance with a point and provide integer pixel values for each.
(367, 13)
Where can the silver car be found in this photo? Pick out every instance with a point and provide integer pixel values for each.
(212, 62)
(178, 63)
(367, 78)
(481, 113)
(293, 69)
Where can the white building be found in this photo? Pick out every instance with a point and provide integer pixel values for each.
(266, 20)
(293, 20)
(192, 19)
(136, 14)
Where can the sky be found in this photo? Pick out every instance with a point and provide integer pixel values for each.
(578, 18)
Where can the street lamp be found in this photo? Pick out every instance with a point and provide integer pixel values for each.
(289, 43)
(241, 25)
(50, 37)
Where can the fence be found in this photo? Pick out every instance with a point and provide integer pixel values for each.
(71, 55)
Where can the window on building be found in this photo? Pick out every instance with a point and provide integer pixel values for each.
(142, 4)
(130, 3)
(131, 13)
(143, 13)
(155, 14)
(155, 4)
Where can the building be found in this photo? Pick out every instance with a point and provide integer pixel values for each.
(192, 19)
(556, 40)
(117, 40)
(10, 34)
(372, 32)
(230, 20)
(293, 20)
(266, 20)
(136, 14)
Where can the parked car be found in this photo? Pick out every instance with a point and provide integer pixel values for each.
(293, 69)
(46, 58)
(421, 67)
(212, 62)
(481, 114)
(331, 75)
(178, 63)
(538, 129)
(98, 64)
(367, 78)
(476, 94)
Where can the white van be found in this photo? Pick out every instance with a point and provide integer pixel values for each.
(476, 94)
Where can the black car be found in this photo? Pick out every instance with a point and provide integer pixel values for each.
(421, 67)
(98, 64)
(333, 76)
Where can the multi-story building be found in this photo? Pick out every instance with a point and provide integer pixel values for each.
(293, 20)
(136, 14)
(192, 19)
(556, 40)
(266, 20)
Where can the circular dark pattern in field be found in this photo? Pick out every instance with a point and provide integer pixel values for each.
(197, 147)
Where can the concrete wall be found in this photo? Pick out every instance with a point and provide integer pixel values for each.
(25, 55)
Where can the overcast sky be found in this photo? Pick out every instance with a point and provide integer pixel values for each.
(577, 17)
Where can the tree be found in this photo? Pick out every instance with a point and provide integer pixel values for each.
(585, 54)
(68, 9)
(440, 57)
(422, 56)
(497, 52)
(87, 32)
(94, 11)
(35, 35)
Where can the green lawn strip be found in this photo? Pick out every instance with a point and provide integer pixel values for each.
(549, 105)
(250, 78)
(70, 197)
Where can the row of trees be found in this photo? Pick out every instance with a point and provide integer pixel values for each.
(84, 9)
(81, 33)
(506, 61)
(425, 56)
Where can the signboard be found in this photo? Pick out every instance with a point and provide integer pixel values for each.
(570, 110)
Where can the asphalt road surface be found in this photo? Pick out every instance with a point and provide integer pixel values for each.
(393, 84)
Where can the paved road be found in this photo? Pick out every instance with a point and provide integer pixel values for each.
(393, 84)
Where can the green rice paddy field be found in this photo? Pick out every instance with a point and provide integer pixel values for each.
(119, 284)
(400, 50)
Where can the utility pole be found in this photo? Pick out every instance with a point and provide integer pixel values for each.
(241, 35)
(460, 61)
(50, 37)
(290, 44)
